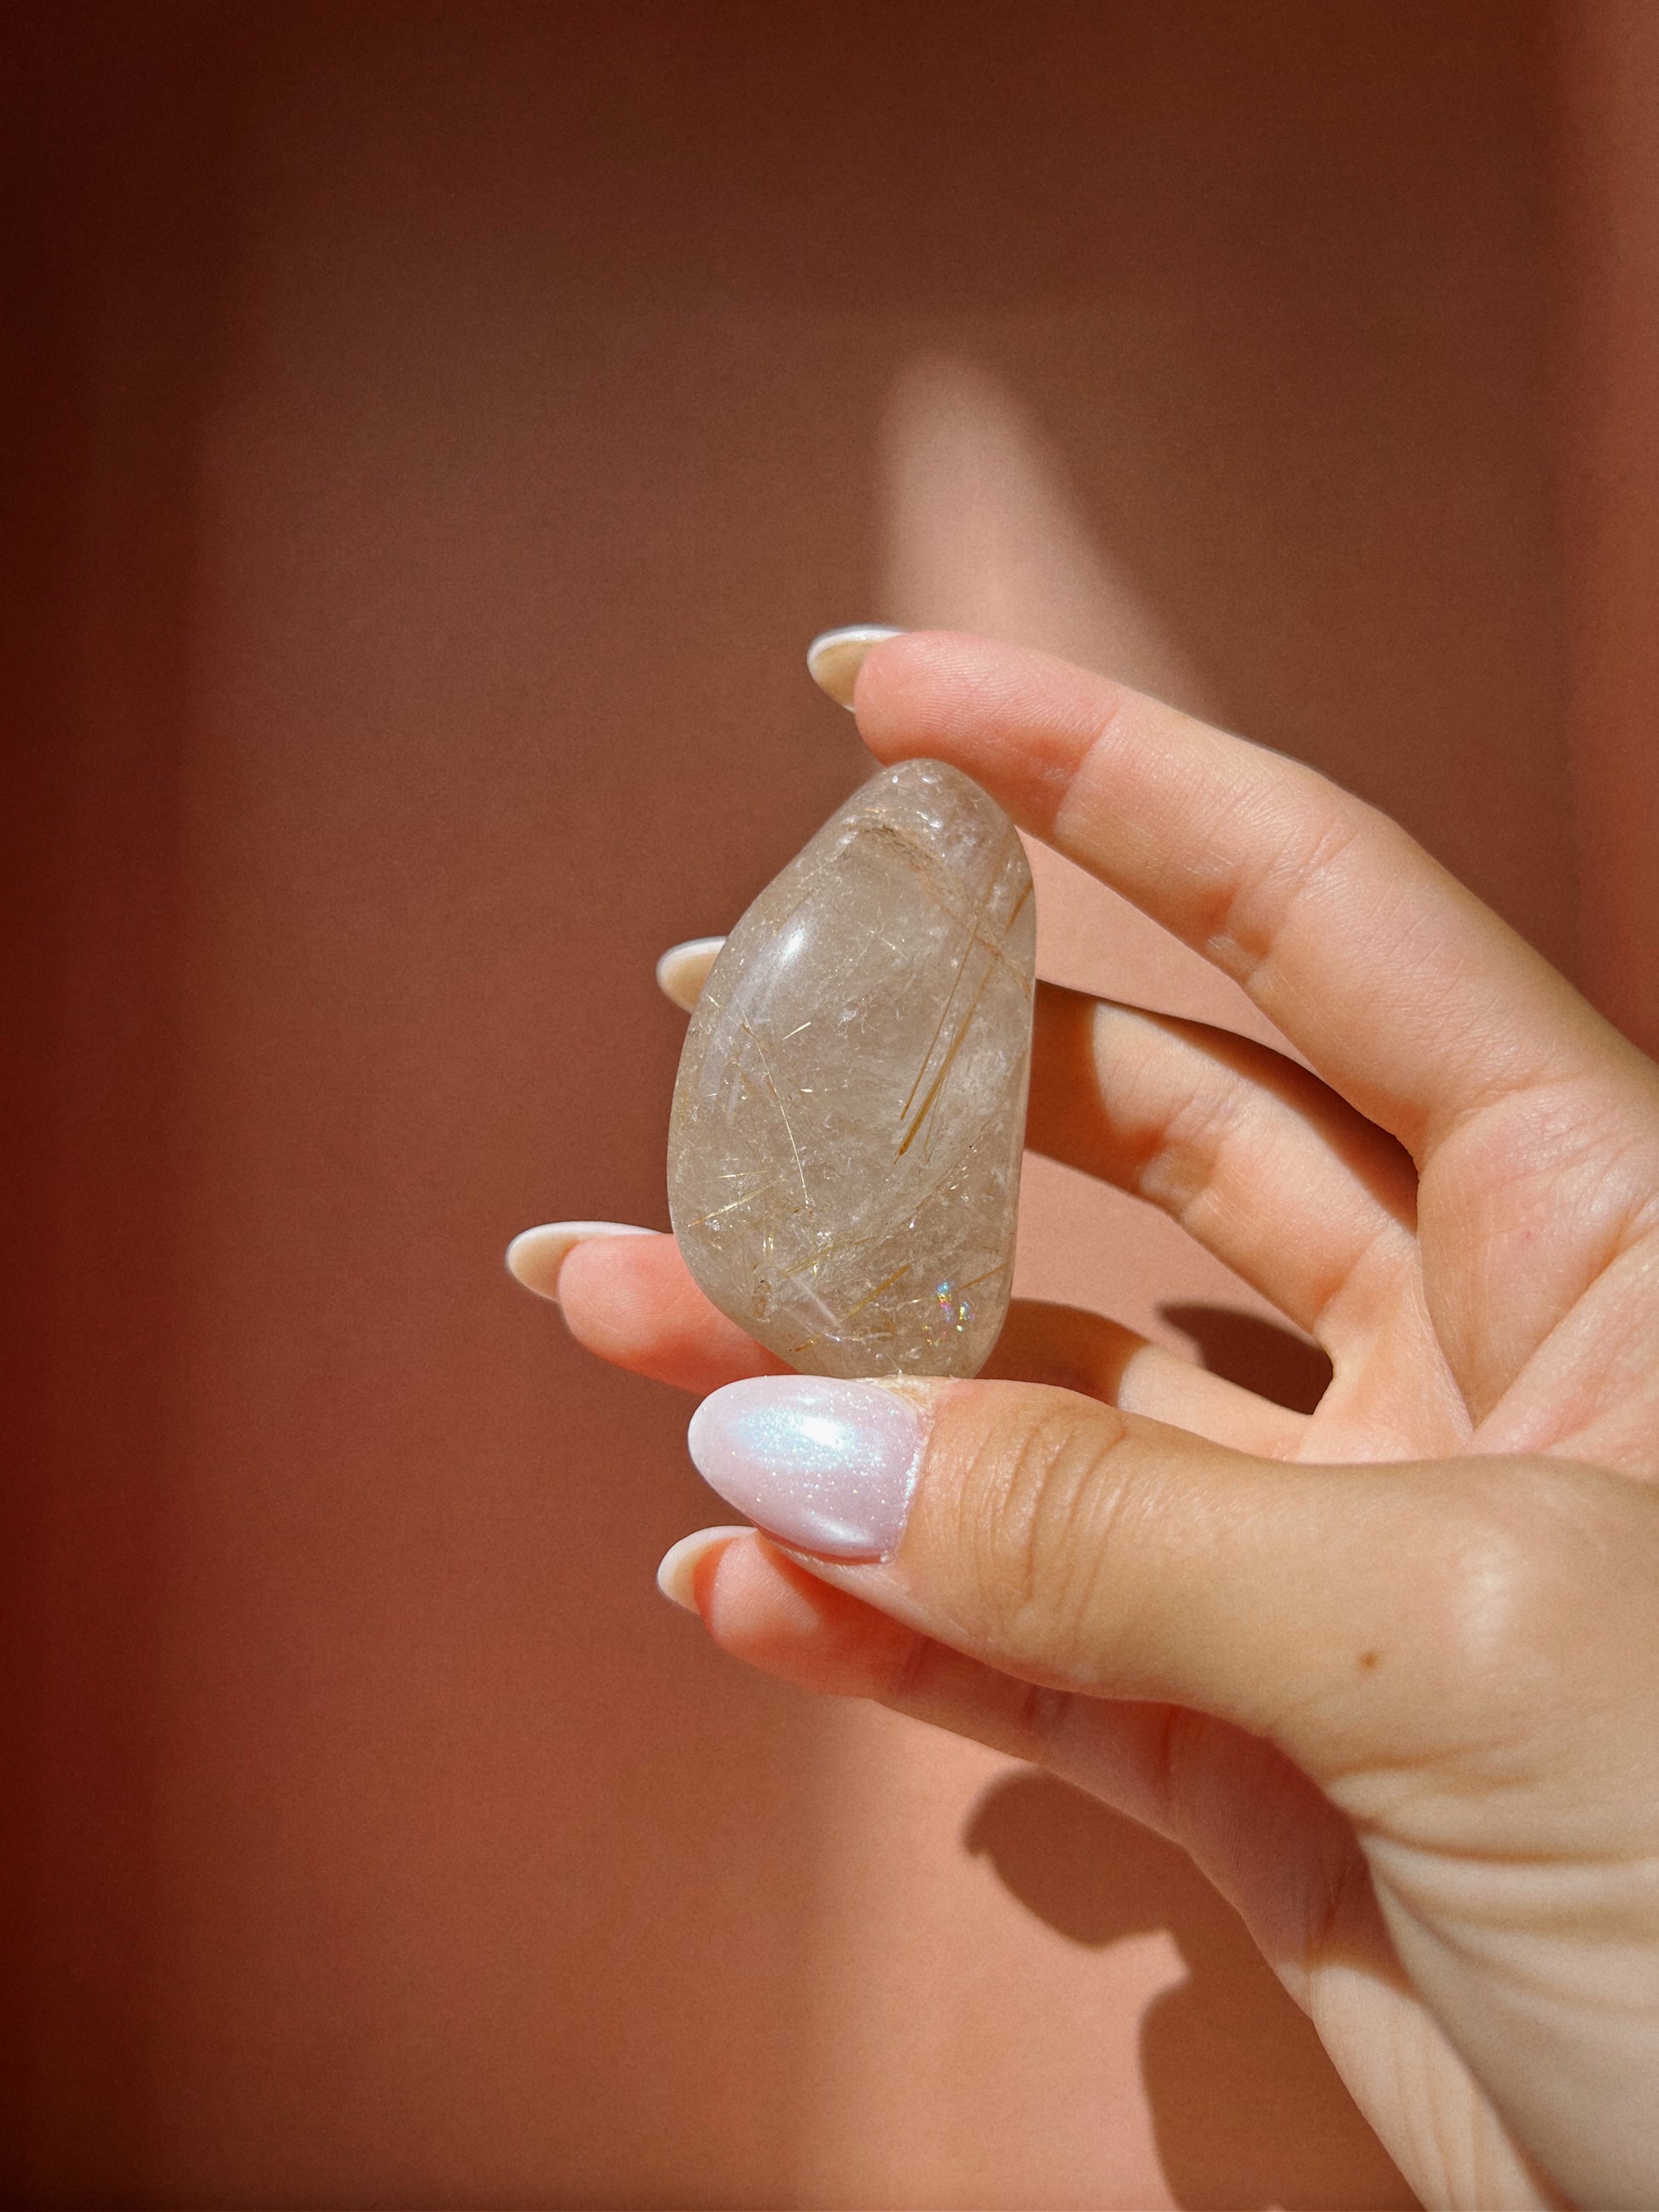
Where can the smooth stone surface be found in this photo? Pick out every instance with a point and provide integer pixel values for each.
(844, 1149)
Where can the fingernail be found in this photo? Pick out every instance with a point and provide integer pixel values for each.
(677, 1578)
(536, 1255)
(835, 658)
(822, 1464)
(683, 969)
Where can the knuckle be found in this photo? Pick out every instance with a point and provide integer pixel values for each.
(1043, 1713)
(906, 1674)
(1183, 1742)
(1254, 899)
(1040, 1500)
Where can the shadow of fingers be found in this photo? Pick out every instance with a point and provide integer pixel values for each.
(1247, 2110)
(1259, 1355)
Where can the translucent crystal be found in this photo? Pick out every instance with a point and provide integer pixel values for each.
(844, 1150)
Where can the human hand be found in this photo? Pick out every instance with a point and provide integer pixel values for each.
(1389, 1671)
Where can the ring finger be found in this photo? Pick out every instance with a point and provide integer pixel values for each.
(632, 1300)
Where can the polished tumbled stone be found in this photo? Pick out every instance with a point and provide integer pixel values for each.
(844, 1151)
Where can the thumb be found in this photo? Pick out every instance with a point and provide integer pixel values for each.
(1341, 1613)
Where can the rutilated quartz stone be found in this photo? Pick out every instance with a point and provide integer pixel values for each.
(844, 1149)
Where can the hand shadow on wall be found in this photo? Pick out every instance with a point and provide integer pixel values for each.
(1259, 1355)
(1247, 2110)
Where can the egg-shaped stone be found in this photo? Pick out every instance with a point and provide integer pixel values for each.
(844, 1147)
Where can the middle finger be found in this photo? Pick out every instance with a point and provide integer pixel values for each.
(1259, 1161)
(633, 1301)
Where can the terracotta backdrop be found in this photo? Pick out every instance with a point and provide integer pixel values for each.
(439, 429)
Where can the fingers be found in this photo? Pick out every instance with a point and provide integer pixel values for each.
(1404, 991)
(631, 1299)
(628, 1296)
(1212, 1789)
(1070, 1349)
(536, 1256)
(634, 1302)
(1260, 1162)
(1274, 1846)
(766, 1608)
(683, 969)
(1362, 1620)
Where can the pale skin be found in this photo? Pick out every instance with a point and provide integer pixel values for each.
(1388, 1671)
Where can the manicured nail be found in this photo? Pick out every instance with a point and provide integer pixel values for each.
(834, 659)
(536, 1255)
(683, 969)
(825, 1465)
(677, 1578)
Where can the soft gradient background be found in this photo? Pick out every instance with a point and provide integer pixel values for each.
(436, 431)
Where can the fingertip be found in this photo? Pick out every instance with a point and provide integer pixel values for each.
(683, 969)
(682, 1563)
(536, 1256)
(1016, 720)
(768, 1611)
(636, 1304)
(835, 656)
(906, 693)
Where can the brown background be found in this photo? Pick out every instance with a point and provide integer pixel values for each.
(438, 429)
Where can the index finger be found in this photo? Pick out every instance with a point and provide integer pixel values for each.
(1404, 991)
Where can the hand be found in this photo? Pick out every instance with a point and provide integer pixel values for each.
(1388, 1671)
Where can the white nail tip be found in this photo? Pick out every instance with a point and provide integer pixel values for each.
(677, 1577)
(835, 658)
(536, 1255)
(683, 969)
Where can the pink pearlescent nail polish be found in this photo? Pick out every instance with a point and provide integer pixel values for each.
(826, 1464)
